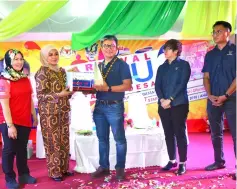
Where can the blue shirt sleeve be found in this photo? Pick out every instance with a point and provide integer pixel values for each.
(125, 71)
(206, 64)
(158, 83)
(186, 72)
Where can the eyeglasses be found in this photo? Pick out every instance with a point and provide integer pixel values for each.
(105, 46)
(218, 32)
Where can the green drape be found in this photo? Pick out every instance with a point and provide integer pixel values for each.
(28, 15)
(201, 15)
(137, 18)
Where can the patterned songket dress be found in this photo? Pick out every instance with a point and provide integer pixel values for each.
(54, 119)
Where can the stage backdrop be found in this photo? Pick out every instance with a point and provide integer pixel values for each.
(143, 57)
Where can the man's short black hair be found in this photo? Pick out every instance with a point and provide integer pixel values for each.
(109, 37)
(226, 25)
(174, 45)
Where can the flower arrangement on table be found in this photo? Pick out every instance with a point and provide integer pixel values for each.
(127, 121)
(84, 132)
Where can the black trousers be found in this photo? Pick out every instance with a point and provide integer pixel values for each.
(14, 148)
(215, 116)
(174, 123)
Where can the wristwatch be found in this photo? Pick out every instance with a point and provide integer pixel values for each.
(227, 95)
(9, 125)
(110, 89)
(171, 98)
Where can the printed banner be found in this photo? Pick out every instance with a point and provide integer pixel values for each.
(143, 56)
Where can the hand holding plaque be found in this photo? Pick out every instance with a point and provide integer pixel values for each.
(80, 81)
(84, 81)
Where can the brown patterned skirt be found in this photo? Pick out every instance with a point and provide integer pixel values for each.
(55, 131)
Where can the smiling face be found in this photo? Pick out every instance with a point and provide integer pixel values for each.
(53, 57)
(17, 62)
(109, 49)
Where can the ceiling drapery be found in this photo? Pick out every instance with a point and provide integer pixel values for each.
(135, 18)
(28, 15)
(201, 15)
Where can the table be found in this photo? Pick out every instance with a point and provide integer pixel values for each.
(144, 148)
(40, 150)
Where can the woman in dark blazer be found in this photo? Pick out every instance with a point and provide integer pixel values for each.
(171, 88)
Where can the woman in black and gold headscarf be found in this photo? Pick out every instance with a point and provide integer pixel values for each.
(15, 124)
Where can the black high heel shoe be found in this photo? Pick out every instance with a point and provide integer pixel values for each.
(169, 166)
(68, 174)
(181, 170)
(57, 179)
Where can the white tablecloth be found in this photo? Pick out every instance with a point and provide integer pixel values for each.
(40, 150)
(144, 148)
(80, 119)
